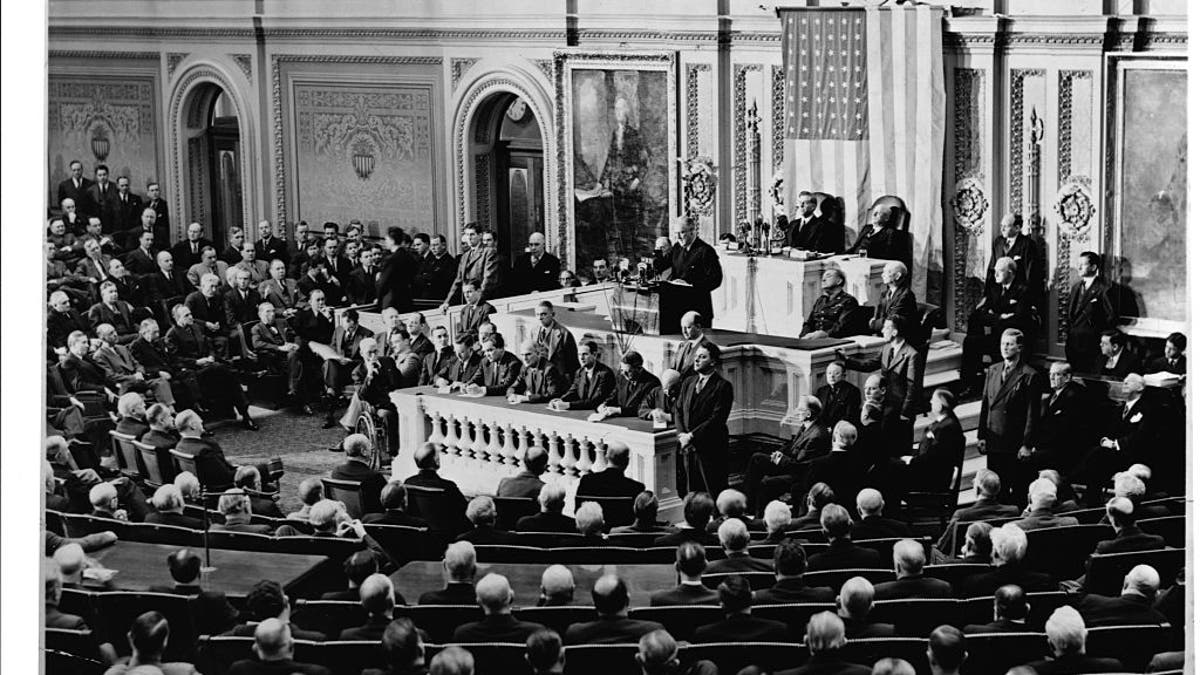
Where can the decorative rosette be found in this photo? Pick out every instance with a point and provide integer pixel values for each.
(970, 205)
(699, 185)
(1074, 208)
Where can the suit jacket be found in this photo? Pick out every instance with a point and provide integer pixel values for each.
(546, 522)
(387, 378)
(986, 583)
(818, 234)
(1031, 270)
(82, 374)
(685, 594)
(128, 210)
(913, 587)
(793, 589)
(272, 248)
(684, 354)
(878, 527)
(103, 203)
(609, 631)
(705, 414)
(394, 284)
(182, 256)
(699, 535)
(392, 517)
(739, 562)
(457, 504)
(240, 310)
(361, 286)
(153, 356)
(1125, 364)
(80, 195)
(843, 554)
(497, 377)
(372, 483)
(434, 276)
(129, 289)
(986, 508)
(527, 277)
(523, 485)
(611, 482)
(739, 627)
(346, 344)
(1040, 520)
(629, 393)
(312, 327)
(886, 244)
(60, 325)
(120, 316)
(457, 370)
(488, 534)
(196, 271)
(260, 270)
(208, 310)
(175, 519)
(214, 471)
(1131, 538)
(140, 261)
(1090, 310)
(473, 315)
(859, 628)
(903, 376)
(283, 294)
(496, 628)
(844, 471)
(166, 286)
(1000, 626)
(700, 266)
(589, 393)
(263, 339)
(90, 269)
(455, 593)
(1161, 364)
(1015, 300)
(187, 345)
(162, 216)
(833, 314)
(1137, 429)
(941, 450)
(659, 399)
(842, 401)
(827, 663)
(1010, 408)
(1074, 664)
(560, 347)
(1062, 423)
(1124, 610)
(118, 363)
(808, 444)
(434, 364)
(333, 292)
(479, 263)
(900, 303)
(282, 667)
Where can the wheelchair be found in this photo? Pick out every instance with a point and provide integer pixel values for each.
(377, 424)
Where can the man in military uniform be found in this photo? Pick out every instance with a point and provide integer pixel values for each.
(833, 312)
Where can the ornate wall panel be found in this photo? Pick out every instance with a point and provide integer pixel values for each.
(970, 203)
(699, 100)
(458, 67)
(740, 105)
(1074, 210)
(102, 120)
(778, 82)
(1027, 92)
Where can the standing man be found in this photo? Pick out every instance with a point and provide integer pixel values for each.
(394, 285)
(811, 232)
(435, 271)
(76, 188)
(232, 254)
(1089, 313)
(129, 206)
(102, 200)
(692, 342)
(535, 269)
(1005, 304)
(1008, 414)
(477, 262)
(269, 247)
(154, 200)
(559, 342)
(362, 286)
(695, 267)
(701, 416)
(902, 371)
(189, 251)
(1011, 243)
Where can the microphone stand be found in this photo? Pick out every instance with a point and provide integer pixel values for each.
(208, 568)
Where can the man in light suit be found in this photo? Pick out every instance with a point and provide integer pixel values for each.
(559, 342)
(701, 416)
(281, 291)
(1089, 312)
(903, 371)
(1008, 414)
(259, 270)
(337, 369)
(692, 342)
(209, 264)
(477, 262)
(124, 372)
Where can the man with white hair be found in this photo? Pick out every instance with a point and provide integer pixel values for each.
(234, 505)
(896, 299)
(124, 372)
(241, 301)
(1067, 636)
(777, 516)
(589, 522)
(1135, 604)
(611, 481)
(1043, 494)
(274, 648)
(1133, 437)
(557, 588)
(213, 470)
(735, 538)
(825, 636)
(551, 500)
(131, 411)
(208, 310)
(695, 268)
(535, 269)
(908, 560)
(459, 565)
(659, 403)
(481, 512)
(495, 596)
(192, 350)
(768, 475)
(357, 468)
(1009, 544)
(880, 237)
(539, 380)
(103, 497)
(62, 320)
(854, 602)
(1005, 304)
(168, 509)
(378, 598)
(278, 348)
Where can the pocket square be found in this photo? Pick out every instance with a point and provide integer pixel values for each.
(1136, 418)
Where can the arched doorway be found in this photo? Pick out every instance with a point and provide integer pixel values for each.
(213, 161)
(510, 172)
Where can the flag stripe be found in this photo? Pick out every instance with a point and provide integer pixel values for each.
(877, 119)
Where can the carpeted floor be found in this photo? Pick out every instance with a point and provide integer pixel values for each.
(298, 439)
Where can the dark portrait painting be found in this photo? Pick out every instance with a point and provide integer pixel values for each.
(621, 160)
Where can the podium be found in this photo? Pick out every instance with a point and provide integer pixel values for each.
(650, 309)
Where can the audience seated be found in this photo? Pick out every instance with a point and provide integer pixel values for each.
(987, 505)
(790, 565)
(168, 509)
(908, 557)
(818, 496)
(558, 587)
(428, 459)
(690, 562)
(403, 650)
(947, 650)
(54, 618)
(854, 607)
(1135, 604)
(977, 545)
(551, 500)
(612, 481)
(357, 468)
(147, 640)
(103, 497)
(273, 648)
(778, 520)
(735, 538)
(739, 625)
(481, 512)
(452, 660)
(1122, 515)
(1067, 636)
(261, 503)
(1009, 545)
(610, 596)
(235, 506)
(697, 512)
(394, 500)
(357, 568)
(731, 504)
(769, 475)
(1010, 613)
(528, 483)
(842, 554)
(645, 517)
(378, 598)
(544, 652)
(311, 490)
(825, 637)
(71, 562)
(213, 470)
(872, 524)
(1043, 494)
(1133, 487)
(459, 563)
(589, 522)
(267, 601)
(495, 596)
(844, 469)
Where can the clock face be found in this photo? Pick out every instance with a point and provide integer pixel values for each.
(517, 111)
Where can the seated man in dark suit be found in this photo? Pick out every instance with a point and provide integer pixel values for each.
(262, 503)
(403, 650)
(481, 511)
(1009, 544)
(817, 497)
(539, 380)
(769, 475)
(825, 637)
(168, 509)
(594, 382)
(428, 459)
(274, 648)
(739, 625)
(698, 509)
(357, 468)
(1134, 606)
(854, 603)
(267, 601)
(873, 525)
(498, 370)
(378, 598)
(841, 554)
(495, 596)
(610, 596)
(459, 564)
(633, 387)
(843, 469)
(987, 505)
(790, 565)
(558, 587)
(1041, 512)
(528, 483)
(1010, 613)
(840, 400)
(589, 522)
(394, 500)
(645, 517)
(213, 470)
(551, 499)
(690, 562)
(976, 548)
(58, 619)
(735, 538)
(235, 506)
(611, 482)
(908, 557)
(356, 568)
(1067, 635)
(1121, 515)
(1173, 359)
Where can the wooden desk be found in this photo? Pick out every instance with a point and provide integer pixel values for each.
(420, 576)
(772, 295)
(484, 440)
(141, 566)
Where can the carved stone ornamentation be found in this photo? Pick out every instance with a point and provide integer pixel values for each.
(970, 205)
(739, 134)
(245, 62)
(173, 59)
(694, 72)
(970, 202)
(458, 67)
(1016, 166)
(546, 66)
(1075, 209)
(778, 84)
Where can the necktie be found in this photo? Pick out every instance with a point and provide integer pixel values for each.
(1006, 372)
(700, 383)
(195, 246)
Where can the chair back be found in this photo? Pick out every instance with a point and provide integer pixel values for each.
(996, 653)
(955, 574)
(77, 642)
(62, 663)
(556, 618)
(831, 208)
(242, 332)
(899, 216)
(1173, 529)
(634, 539)
(758, 580)
(511, 509)
(681, 621)
(959, 534)
(1060, 551)
(1176, 505)
(155, 533)
(81, 525)
(602, 660)
(550, 539)
(184, 462)
(149, 456)
(884, 546)
(1133, 646)
(498, 658)
(405, 543)
(916, 617)
(507, 553)
(1106, 572)
(333, 547)
(1041, 604)
(432, 504)
(439, 621)
(604, 555)
(835, 578)
(794, 614)
(731, 657)
(815, 536)
(125, 452)
(54, 522)
(866, 651)
(329, 616)
(216, 653)
(617, 510)
(120, 608)
(348, 492)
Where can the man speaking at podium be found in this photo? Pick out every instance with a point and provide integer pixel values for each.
(695, 273)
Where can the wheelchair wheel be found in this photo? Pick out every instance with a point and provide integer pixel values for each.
(371, 427)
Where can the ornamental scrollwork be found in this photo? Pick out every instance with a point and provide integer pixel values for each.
(699, 185)
(1075, 209)
(970, 205)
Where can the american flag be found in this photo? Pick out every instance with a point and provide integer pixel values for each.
(865, 114)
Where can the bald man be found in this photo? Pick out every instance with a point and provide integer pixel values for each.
(612, 481)
(274, 648)
(908, 560)
(558, 587)
(610, 596)
(535, 269)
(1010, 611)
(692, 326)
(377, 595)
(659, 403)
(1135, 604)
(495, 596)
(1024, 251)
